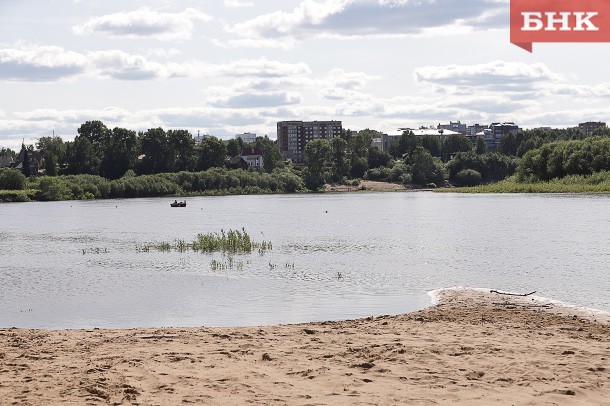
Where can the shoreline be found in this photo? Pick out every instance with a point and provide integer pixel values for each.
(472, 347)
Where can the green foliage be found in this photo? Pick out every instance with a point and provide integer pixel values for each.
(272, 158)
(426, 169)
(53, 189)
(481, 146)
(119, 153)
(455, 143)
(341, 163)
(359, 167)
(377, 158)
(432, 144)
(231, 242)
(12, 179)
(16, 195)
(25, 162)
(491, 166)
(211, 153)
(406, 145)
(560, 159)
(596, 183)
(468, 177)
(317, 153)
(155, 148)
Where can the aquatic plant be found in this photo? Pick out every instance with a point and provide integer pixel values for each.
(230, 242)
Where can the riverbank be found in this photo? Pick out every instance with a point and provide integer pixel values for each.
(471, 348)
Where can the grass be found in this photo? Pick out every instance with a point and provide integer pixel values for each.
(230, 242)
(596, 183)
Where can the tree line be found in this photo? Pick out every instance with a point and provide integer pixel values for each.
(110, 153)
(102, 163)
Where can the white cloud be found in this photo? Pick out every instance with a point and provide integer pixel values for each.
(237, 3)
(357, 18)
(260, 68)
(499, 75)
(122, 66)
(281, 43)
(144, 23)
(40, 64)
(50, 63)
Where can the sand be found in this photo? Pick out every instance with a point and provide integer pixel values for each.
(472, 348)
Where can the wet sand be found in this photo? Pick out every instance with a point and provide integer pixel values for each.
(472, 348)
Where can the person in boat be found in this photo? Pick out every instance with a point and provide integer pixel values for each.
(175, 201)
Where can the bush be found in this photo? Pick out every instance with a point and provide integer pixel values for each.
(468, 177)
(12, 179)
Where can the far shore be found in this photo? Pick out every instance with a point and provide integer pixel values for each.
(473, 347)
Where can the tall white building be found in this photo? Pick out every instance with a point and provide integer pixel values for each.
(247, 138)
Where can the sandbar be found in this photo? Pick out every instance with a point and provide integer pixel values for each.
(473, 347)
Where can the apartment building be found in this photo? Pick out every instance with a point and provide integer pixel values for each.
(247, 138)
(292, 136)
(590, 126)
(496, 132)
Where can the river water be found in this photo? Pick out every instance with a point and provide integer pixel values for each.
(335, 256)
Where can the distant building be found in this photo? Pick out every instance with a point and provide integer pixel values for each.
(200, 138)
(496, 132)
(247, 138)
(253, 157)
(292, 136)
(590, 126)
(383, 142)
(456, 126)
(472, 131)
(441, 133)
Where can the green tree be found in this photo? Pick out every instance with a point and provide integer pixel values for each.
(340, 158)
(25, 161)
(508, 145)
(377, 158)
(12, 179)
(317, 153)
(120, 153)
(407, 144)
(157, 152)
(182, 145)
(53, 150)
(455, 143)
(81, 157)
(481, 146)
(468, 177)
(211, 153)
(432, 143)
(233, 147)
(272, 158)
(426, 169)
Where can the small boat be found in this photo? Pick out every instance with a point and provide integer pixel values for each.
(178, 204)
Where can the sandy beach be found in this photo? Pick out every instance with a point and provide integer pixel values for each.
(473, 347)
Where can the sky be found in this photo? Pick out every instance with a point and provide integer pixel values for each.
(224, 67)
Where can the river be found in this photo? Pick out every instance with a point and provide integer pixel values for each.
(76, 264)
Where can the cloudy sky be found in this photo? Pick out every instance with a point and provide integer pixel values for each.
(223, 67)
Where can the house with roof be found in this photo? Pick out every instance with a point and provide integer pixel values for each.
(237, 162)
(253, 157)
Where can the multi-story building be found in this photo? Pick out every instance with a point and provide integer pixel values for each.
(292, 136)
(456, 126)
(496, 132)
(590, 126)
(473, 130)
(247, 138)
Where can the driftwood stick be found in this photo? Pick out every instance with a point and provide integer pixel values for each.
(512, 294)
